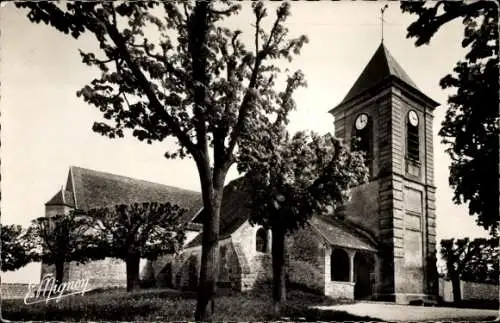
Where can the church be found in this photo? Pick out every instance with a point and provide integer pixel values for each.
(378, 246)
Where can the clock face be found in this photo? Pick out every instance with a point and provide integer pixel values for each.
(361, 121)
(413, 118)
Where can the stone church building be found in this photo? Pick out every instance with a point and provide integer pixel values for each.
(377, 246)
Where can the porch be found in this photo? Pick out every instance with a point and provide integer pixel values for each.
(350, 260)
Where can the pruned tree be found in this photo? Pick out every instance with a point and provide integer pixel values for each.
(291, 178)
(470, 129)
(63, 238)
(475, 260)
(16, 249)
(132, 232)
(172, 69)
(483, 265)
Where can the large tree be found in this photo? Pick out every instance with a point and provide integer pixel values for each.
(16, 249)
(290, 178)
(172, 69)
(475, 260)
(132, 232)
(63, 238)
(471, 126)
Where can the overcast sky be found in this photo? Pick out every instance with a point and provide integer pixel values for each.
(46, 128)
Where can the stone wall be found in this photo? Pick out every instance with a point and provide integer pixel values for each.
(469, 291)
(53, 210)
(245, 236)
(241, 266)
(306, 266)
(475, 291)
(108, 272)
(363, 207)
(182, 271)
(339, 290)
(13, 291)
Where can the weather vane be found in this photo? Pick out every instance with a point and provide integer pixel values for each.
(382, 19)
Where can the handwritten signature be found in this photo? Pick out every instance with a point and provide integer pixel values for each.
(48, 290)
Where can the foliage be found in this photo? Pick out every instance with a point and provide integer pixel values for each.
(475, 260)
(15, 247)
(290, 178)
(167, 305)
(148, 229)
(303, 275)
(471, 126)
(63, 238)
(132, 232)
(172, 69)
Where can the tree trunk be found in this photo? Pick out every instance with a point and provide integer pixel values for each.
(132, 263)
(278, 257)
(212, 185)
(457, 295)
(209, 260)
(59, 263)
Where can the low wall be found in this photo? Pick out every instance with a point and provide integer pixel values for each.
(14, 291)
(473, 291)
(468, 290)
(339, 290)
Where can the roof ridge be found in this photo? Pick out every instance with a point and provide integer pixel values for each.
(117, 176)
(395, 68)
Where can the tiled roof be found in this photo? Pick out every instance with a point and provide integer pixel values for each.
(379, 68)
(233, 212)
(94, 189)
(339, 234)
(63, 197)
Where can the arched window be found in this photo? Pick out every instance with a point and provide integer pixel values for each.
(261, 240)
(339, 263)
(362, 138)
(412, 137)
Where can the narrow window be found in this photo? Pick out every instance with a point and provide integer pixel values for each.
(412, 137)
(362, 138)
(261, 240)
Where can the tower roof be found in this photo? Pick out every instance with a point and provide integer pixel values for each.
(62, 197)
(381, 67)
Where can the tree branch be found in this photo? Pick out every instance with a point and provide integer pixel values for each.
(245, 104)
(146, 87)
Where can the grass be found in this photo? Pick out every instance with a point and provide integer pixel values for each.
(170, 305)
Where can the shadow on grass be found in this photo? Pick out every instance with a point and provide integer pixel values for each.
(172, 305)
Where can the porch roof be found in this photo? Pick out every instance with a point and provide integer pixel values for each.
(339, 235)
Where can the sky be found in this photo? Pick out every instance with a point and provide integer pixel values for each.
(46, 128)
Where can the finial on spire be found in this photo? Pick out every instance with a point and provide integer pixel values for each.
(382, 19)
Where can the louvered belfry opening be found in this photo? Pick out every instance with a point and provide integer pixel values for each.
(412, 143)
(362, 142)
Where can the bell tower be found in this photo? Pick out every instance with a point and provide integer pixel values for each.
(389, 119)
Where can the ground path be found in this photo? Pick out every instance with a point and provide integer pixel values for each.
(392, 312)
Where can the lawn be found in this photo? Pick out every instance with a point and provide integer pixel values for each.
(169, 305)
